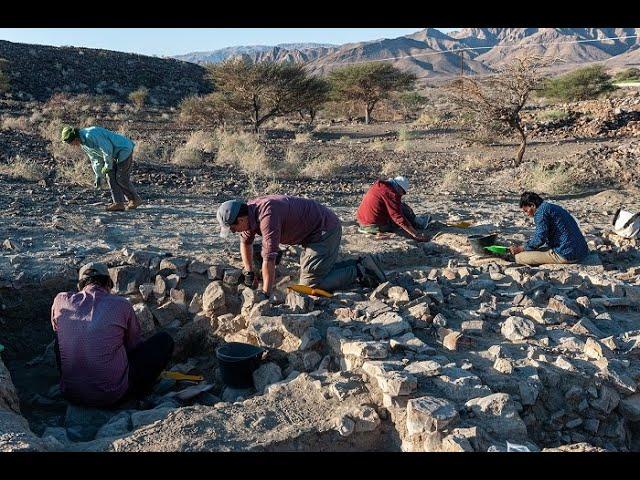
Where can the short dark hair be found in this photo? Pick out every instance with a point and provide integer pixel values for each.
(244, 211)
(100, 280)
(528, 199)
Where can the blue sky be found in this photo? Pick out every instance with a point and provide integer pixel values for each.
(175, 41)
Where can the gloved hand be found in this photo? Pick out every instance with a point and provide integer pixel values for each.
(250, 279)
(105, 169)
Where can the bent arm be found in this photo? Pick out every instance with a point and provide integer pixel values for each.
(268, 275)
(540, 236)
(246, 251)
(394, 208)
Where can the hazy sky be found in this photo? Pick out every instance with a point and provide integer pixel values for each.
(175, 41)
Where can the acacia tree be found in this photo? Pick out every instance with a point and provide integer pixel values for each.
(260, 91)
(314, 94)
(368, 83)
(501, 97)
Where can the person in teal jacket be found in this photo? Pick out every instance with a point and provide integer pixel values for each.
(111, 155)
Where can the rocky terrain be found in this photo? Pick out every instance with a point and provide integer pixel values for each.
(37, 72)
(454, 353)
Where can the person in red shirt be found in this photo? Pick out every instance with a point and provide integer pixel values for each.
(382, 210)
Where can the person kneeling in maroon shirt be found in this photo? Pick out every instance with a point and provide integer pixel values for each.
(295, 221)
(101, 356)
(382, 210)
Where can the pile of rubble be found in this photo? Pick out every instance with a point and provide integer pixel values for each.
(616, 117)
(606, 165)
(481, 356)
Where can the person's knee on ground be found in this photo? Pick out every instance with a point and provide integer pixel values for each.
(147, 361)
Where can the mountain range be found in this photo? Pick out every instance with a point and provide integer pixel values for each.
(430, 53)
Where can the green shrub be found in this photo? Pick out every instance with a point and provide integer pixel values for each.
(553, 115)
(582, 84)
(627, 75)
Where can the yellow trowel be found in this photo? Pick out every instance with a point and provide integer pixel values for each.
(318, 292)
(462, 224)
(177, 376)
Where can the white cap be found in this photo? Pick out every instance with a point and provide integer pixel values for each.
(402, 181)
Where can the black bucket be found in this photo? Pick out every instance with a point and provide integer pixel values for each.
(478, 242)
(237, 362)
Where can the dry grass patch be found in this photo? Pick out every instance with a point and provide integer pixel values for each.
(377, 145)
(303, 137)
(451, 180)
(475, 162)
(244, 150)
(75, 172)
(427, 119)
(186, 156)
(206, 142)
(325, 167)
(16, 123)
(21, 169)
(147, 151)
(552, 115)
(51, 130)
(550, 179)
(392, 168)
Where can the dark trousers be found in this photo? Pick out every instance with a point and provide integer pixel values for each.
(146, 362)
(119, 180)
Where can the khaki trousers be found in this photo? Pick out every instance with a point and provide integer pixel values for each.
(536, 257)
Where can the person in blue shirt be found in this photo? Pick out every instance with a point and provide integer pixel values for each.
(557, 238)
(111, 155)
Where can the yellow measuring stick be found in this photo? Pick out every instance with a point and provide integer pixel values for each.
(310, 291)
(181, 376)
(463, 224)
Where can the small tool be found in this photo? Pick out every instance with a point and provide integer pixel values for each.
(318, 292)
(181, 376)
(499, 249)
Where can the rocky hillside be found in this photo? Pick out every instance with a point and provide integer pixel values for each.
(427, 52)
(37, 72)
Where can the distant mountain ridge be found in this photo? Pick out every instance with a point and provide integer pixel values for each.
(430, 53)
(222, 54)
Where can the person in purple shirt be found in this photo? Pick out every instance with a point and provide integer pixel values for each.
(101, 356)
(295, 221)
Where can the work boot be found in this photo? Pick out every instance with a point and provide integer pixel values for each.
(372, 273)
(115, 207)
(134, 204)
